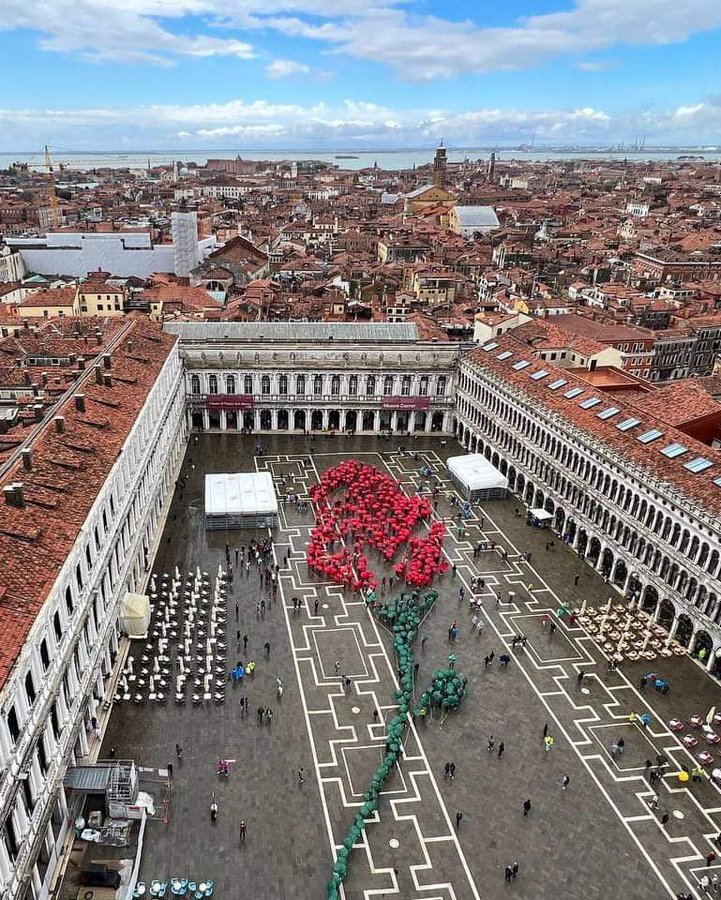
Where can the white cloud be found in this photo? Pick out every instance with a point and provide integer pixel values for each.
(399, 33)
(262, 124)
(282, 68)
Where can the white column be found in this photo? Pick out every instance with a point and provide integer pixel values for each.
(223, 420)
(206, 420)
(274, 419)
(412, 422)
(429, 420)
(377, 422)
(325, 419)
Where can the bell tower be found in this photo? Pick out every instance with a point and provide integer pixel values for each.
(439, 167)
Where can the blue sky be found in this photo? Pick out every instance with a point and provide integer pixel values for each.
(197, 74)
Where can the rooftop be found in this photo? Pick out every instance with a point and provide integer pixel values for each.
(68, 471)
(343, 332)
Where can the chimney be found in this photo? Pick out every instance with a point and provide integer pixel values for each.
(27, 460)
(14, 494)
(108, 380)
(80, 402)
(26, 376)
(107, 360)
(36, 389)
(39, 411)
(98, 375)
(60, 424)
(98, 336)
(81, 363)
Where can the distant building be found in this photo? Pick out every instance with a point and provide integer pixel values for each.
(471, 220)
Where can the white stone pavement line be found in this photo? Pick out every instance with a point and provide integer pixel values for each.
(520, 660)
(411, 725)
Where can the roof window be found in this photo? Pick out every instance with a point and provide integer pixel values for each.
(558, 383)
(537, 376)
(521, 364)
(628, 424)
(504, 355)
(491, 346)
(608, 413)
(574, 392)
(652, 434)
(700, 464)
(674, 450)
(590, 403)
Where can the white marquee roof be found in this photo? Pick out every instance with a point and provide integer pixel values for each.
(242, 493)
(476, 473)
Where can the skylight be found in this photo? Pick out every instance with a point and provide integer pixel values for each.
(504, 355)
(590, 403)
(537, 376)
(574, 392)
(652, 435)
(558, 383)
(700, 464)
(628, 424)
(608, 413)
(674, 450)
(717, 481)
(521, 364)
(491, 346)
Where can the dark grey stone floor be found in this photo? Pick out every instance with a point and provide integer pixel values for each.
(597, 839)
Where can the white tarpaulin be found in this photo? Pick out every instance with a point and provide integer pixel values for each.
(240, 499)
(135, 615)
(540, 515)
(476, 477)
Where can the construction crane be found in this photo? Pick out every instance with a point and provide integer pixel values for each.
(54, 207)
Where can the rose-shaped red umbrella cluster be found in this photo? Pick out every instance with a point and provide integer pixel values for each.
(374, 511)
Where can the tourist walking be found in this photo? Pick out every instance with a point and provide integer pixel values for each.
(501, 749)
(566, 781)
(491, 743)
(526, 806)
(509, 874)
(459, 816)
(243, 827)
(301, 775)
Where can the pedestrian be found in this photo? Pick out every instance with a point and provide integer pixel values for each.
(565, 782)
(266, 647)
(178, 751)
(551, 629)
(526, 806)
(315, 607)
(243, 826)
(416, 667)
(452, 771)
(347, 684)
(423, 645)
(261, 711)
(336, 667)
(501, 749)
(491, 655)
(301, 775)
(447, 770)
(509, 874)
(664, 819)
(245, 642)
(710, 857)
(575, 580)
(581, 676)
(486, 661)
(653, 802)
(548, 743)
(491, 742)
(545, 729)
(642, 682)
(459, 816)
(515, 869)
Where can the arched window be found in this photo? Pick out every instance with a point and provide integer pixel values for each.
(300, 385)
(265, 384)
(370, 385)
(283, 385)
(194, 384)
(213, 384)
(353, 385)
(248, 384)
(441, 386)
(30, 688)
(423, 386)
(230, 384)
(388, 385)
(69, 602)
(317, 385)
(406, 385)
(335, 385)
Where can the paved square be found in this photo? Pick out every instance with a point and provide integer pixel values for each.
(598, 838)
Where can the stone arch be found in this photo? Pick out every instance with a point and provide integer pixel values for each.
(265, 420)
(299, 420)
(684, 629)
(594, 550)
(702, 642)
(666, 614)
(649, 601)
(351, 420)
(316, 420)
(620, 573)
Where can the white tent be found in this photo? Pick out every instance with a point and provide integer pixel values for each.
(476, 478)
(135, 615)
(539, 516)
(240, 500)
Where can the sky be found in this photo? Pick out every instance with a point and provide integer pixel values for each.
(357, 74)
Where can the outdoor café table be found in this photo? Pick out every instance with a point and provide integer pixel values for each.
(695, 721)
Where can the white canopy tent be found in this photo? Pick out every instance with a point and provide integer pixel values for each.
(240, 500)
(135, 615)
(539, 516)
(476, 478)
